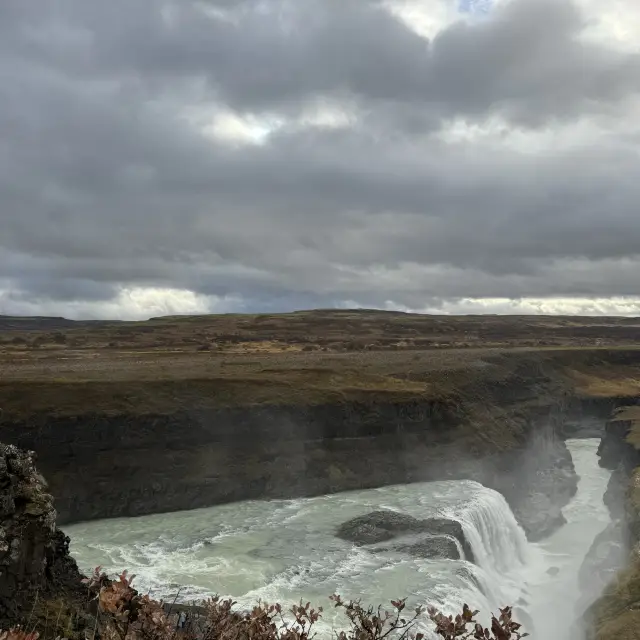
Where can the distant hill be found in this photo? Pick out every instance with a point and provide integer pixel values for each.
(45, 323)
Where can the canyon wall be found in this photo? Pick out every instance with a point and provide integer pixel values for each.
(505, 434)
(616, 614)
(35, 564)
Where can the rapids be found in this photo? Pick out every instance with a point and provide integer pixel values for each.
(286, 550)
(555, 599)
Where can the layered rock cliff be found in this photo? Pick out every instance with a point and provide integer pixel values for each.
(506, 433)
(34, 554)
(124, 447)
(616, 614)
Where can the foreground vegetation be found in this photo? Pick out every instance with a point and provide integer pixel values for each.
(121, 613)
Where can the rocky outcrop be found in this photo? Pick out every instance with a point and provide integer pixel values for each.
(34, 553)
(114, 466)
(383, 526)
(616, 613)
(431, 547)
(632, 504)
(541, 484)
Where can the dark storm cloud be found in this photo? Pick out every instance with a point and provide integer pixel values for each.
(529, 60)
(106, 182)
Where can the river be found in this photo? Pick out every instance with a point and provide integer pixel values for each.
(286, 550)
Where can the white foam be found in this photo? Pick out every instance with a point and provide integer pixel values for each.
(286, 550)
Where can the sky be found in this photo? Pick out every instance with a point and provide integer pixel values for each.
(440, 156)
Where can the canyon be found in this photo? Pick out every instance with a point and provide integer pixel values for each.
(123, 431)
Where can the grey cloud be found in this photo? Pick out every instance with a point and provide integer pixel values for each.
(529, 62)
(104, 183)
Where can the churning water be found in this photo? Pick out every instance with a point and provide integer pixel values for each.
(555, 600)
(286, 550)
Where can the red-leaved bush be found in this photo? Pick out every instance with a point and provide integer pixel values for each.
(121, 613)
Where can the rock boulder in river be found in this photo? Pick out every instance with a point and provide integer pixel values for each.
(382, 526)
(432, 547)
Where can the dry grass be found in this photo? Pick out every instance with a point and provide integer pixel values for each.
(608, 383)
(170, 364)
(332, 330)
(616, 613)
(632, 416)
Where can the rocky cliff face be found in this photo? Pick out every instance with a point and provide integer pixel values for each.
(34, 553)
(503, 435)
(620, 452)
(616, 614)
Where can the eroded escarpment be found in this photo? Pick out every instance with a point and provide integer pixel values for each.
(505, 433)
(616, 614)
(114, 448)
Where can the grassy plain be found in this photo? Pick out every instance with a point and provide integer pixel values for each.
(56, 366)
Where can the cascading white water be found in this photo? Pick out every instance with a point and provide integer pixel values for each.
(499, 544)
(556, 596)
(286, 550)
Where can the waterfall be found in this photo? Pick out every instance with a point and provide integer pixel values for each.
(498, 542)
(500, 547)
(286, 550)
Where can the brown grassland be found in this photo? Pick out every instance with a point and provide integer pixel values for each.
(61, 367)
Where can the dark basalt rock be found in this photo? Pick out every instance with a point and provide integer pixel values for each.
(377, 526)
(615, 495)
(545, 482)
(584, 427)
(429, 547)
(381, 526)
(34, 554)
(432, 547)
(539, 515)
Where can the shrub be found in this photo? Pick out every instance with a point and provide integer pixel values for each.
(121, 613)
(18, 634)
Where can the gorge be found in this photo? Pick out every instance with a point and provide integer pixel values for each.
(284, 550)
(160, 463)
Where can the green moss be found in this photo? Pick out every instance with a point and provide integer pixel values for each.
(633, 504)
(616, 614)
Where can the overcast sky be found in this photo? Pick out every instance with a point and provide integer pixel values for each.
(452, 156)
